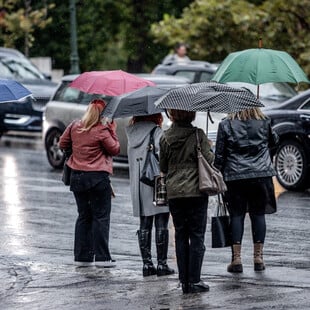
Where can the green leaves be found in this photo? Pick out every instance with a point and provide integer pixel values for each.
(219, 27)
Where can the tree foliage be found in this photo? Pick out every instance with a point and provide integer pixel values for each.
(135, 35)
(111, 34)
(18, 20)
(214, 28)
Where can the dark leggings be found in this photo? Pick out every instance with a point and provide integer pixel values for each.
(258, 228)
(161, 221)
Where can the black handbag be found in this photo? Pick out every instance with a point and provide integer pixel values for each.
(150, 169)
(66, 174)
(220, 226)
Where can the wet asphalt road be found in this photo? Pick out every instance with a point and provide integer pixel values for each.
(37, 215)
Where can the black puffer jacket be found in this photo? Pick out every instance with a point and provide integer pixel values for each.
(242, 149)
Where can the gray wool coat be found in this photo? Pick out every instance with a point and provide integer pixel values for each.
(138, 139)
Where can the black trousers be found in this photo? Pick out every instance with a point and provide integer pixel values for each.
(93, 223)
(189, 218)
(254, 196)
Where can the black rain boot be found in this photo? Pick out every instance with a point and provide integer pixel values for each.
(162, 238)
(145, 239)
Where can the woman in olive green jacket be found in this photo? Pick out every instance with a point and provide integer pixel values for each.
(188, 206)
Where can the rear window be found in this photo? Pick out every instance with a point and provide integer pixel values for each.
(67, 94)
(190, 75)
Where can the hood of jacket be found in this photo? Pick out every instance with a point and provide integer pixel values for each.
(178, 134)
(138, 133)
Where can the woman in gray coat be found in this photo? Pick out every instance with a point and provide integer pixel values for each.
(138, 134)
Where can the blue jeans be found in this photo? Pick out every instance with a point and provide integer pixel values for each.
(93, 223)
(190, 219)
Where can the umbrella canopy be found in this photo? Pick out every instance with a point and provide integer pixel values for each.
(11, 90)
(138, 102)
(258, 66)
(110, 83)
(209, 97)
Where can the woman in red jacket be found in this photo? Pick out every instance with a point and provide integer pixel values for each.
(93, 145)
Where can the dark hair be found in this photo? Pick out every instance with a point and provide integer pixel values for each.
(155, 118)
(181, 116)
(178, 45)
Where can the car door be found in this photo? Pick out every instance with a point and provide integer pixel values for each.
(305, 116)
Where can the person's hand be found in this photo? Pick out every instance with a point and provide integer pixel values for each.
(112, 125)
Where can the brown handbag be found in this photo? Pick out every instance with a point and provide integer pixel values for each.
(211, 179)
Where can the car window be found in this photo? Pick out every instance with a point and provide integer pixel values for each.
(5, 71)
(19, 69)
(205, 76)
(268, 90)
(306, 106)
(190, 75)
(66, 93)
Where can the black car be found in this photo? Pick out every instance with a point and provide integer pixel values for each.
(291, 121)
(25, 116)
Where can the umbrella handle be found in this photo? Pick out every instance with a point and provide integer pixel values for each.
(210, 117)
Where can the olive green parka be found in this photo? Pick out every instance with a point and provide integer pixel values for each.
(178, 159)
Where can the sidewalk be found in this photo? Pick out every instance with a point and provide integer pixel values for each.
(37, 271)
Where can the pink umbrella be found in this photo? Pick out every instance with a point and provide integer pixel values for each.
(110, 83)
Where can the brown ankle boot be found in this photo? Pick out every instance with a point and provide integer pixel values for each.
(258, 257)
(236, 264)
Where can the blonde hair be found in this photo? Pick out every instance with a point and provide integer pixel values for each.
(92, 115)
(253, 113)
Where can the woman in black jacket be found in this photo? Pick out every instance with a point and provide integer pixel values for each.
(243, 155)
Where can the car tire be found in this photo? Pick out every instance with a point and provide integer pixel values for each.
(54, 154)
(291, 164)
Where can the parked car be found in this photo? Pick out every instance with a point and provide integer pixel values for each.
(68, 104)
(291, 121)
(202, 71)
(25, 116)
(195, 71)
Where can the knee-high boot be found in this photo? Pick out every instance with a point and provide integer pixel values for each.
(236, 264)
(258, 257)
(162, 239)
(145, 239)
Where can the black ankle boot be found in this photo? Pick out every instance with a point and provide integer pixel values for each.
(145, 239)
(199, 287)
(148, 270)
(162, 238)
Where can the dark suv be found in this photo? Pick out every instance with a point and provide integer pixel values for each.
(26, 116)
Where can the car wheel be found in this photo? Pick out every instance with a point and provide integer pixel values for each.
(291, 165)
(54, 154)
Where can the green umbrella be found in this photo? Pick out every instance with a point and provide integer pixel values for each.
(258, 66)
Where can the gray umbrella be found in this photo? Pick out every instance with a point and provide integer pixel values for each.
(209, 97)
(139, 102)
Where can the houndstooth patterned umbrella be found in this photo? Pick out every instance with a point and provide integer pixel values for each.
(209, 96)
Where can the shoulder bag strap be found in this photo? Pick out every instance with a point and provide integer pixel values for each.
(151, 146)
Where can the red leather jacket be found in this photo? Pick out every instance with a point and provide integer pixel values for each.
(91, 150)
